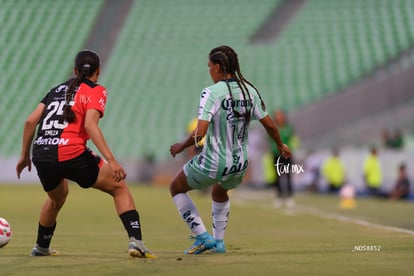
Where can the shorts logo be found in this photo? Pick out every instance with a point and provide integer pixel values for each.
(235, 168)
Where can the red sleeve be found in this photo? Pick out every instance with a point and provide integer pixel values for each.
(98, 100)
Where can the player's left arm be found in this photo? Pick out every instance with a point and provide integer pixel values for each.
(273, 132)
(28, 134)
(92, 128)
(193, 138)
(95, 111)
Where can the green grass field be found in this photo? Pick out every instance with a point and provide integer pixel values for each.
(315, 238)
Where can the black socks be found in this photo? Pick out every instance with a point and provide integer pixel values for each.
(44, 235)
(132, 225)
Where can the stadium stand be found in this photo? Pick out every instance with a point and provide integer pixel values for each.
(325, 47)
(158, 65)
(330, 44)
(39, 41)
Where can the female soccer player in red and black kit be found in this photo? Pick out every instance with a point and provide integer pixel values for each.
(66, 118)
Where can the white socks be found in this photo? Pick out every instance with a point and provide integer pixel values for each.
(220, 214)
(189, 213)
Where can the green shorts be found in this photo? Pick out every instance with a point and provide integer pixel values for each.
(200, 181)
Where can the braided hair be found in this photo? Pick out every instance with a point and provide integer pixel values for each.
(228, 61)
(86, 63)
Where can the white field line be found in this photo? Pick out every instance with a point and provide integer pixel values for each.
(322, 214)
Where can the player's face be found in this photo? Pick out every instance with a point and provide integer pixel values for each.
(214, 70)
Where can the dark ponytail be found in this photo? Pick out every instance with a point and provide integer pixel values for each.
(86, 63)
(227, 58)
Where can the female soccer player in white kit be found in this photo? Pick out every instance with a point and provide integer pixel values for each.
(225, 111)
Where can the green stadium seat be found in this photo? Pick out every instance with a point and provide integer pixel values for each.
(159, 63)
(39, 41)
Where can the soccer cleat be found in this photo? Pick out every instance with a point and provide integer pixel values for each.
(220, 247)
(136, 248)
(38, 251)
(202, 243)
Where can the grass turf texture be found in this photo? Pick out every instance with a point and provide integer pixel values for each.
(260, 240)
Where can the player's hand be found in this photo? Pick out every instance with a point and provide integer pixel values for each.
(285, 151)
(23, 163)
(176, 149)
(119, 173)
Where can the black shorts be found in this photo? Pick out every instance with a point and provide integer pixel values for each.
(83, 169)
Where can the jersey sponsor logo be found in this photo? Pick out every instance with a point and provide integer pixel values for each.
(227, 104)
(51, 141)
(241, 166)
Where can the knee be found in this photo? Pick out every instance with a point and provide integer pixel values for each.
(118, 189)
(174, 188)
(219, 194)
(59, 201)
(179, 185)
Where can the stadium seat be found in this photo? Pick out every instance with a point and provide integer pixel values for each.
(39, 41)
(158, 65)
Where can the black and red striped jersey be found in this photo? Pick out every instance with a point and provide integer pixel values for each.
(58, 140)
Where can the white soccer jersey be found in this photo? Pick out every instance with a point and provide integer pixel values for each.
(225, 153)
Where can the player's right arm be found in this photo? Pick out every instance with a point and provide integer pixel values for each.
(28, 133)
(193, 138)
(205, 113)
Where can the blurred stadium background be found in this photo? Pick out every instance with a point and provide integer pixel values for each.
(342, 70)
